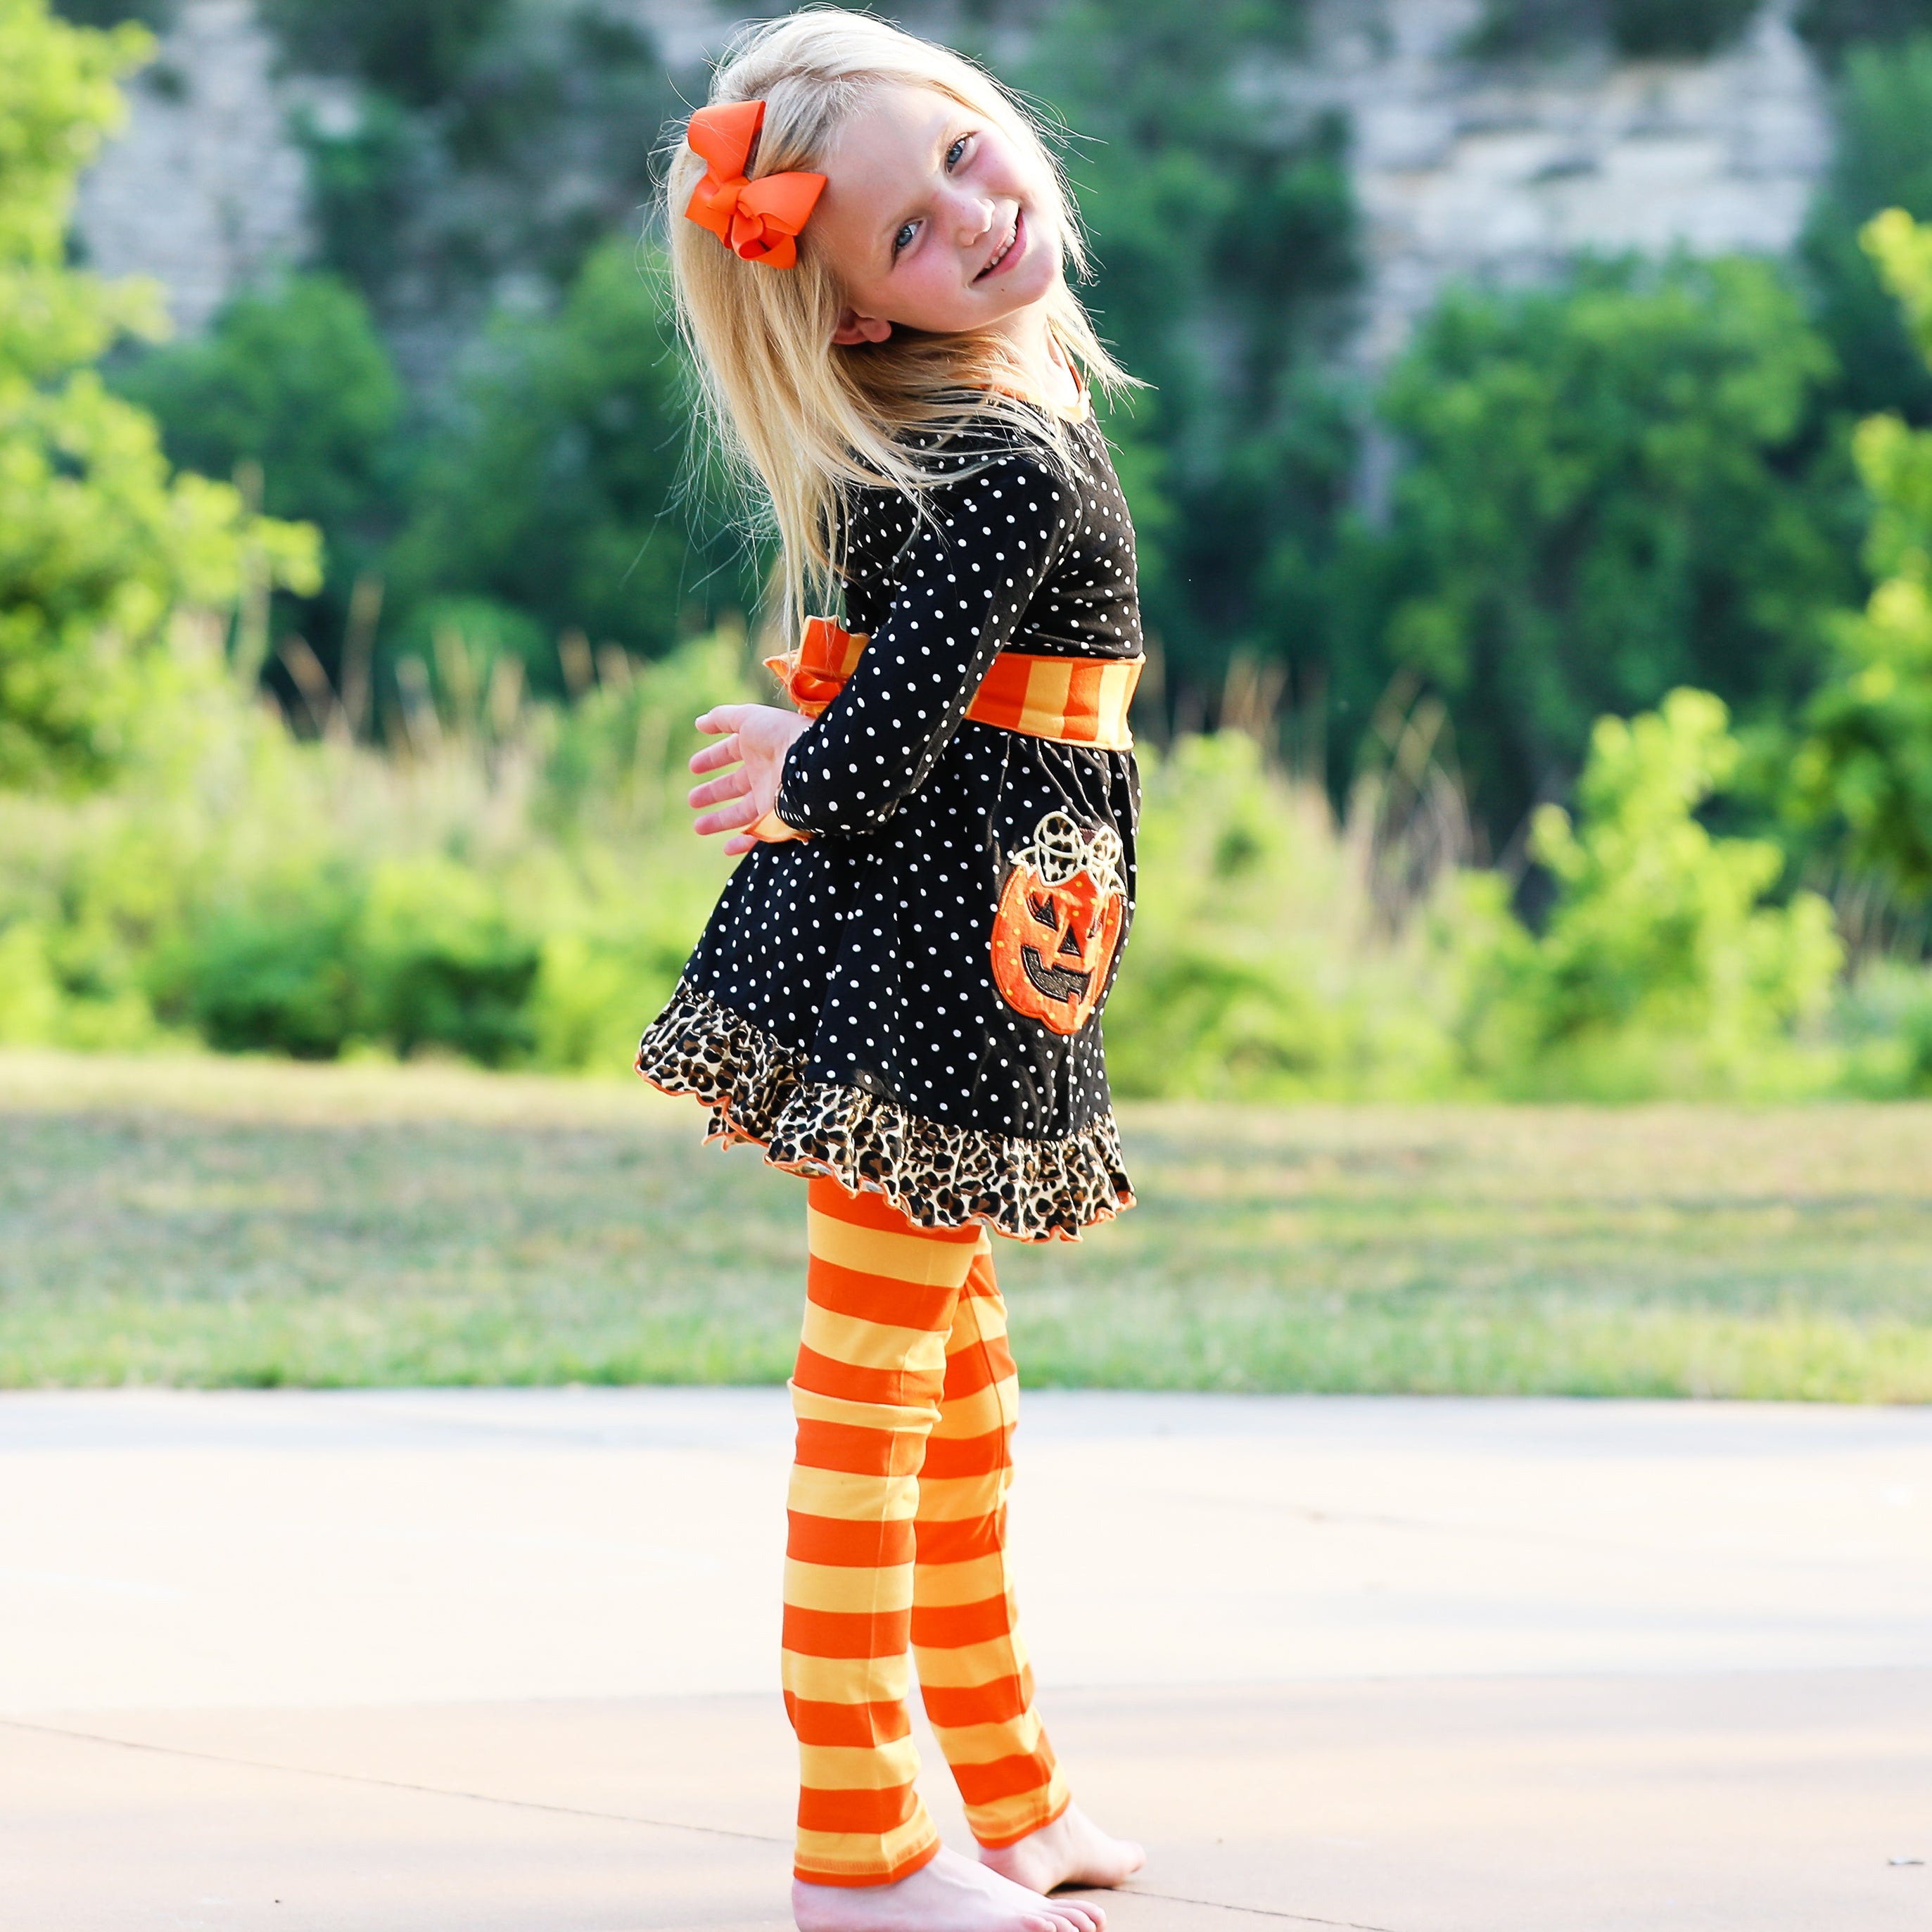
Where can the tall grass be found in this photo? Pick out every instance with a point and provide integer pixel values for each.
(513, 881)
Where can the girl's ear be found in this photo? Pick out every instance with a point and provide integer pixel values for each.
(853, 328)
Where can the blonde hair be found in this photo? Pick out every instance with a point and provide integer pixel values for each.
(796, 419)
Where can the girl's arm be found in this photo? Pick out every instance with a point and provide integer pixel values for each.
(969, 571)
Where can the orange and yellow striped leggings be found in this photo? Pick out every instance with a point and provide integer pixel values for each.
(906, 1397)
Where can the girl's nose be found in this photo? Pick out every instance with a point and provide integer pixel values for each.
(975, 218)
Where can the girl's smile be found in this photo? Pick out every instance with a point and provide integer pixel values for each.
(1009, 251)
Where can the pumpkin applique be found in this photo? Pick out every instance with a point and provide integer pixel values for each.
(1062, 905)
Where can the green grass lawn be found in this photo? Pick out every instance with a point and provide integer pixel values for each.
(207, 1222)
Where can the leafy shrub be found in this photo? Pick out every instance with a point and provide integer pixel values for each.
(265, 895)
(1660, 969)
(1883, 1022)
(274, 974)
(1259, 967)
(113, 13)
(364, 182)
(416, 953)
(442, 962)
(494, 140)
(528, 896)
(1609, 492)
(292, 381)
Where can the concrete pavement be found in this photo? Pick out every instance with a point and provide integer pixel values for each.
(496, 1661)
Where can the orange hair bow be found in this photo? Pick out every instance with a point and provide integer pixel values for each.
(815, 673)
(758, 219)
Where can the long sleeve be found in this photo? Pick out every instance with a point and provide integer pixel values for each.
(963, 585)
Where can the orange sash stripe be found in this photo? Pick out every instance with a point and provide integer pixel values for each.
(1072, 701)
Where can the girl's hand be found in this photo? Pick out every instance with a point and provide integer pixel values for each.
(756, 738)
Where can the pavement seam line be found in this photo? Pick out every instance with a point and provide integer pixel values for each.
(387, 1783)
(579, 1811)
(1254, 1911)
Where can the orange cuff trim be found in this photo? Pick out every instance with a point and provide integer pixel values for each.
(914, 1862)
(773, 830)
(1013, 1838)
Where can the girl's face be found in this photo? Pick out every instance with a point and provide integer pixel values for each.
(933, 218)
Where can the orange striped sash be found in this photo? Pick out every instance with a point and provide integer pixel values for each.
(1072, 700)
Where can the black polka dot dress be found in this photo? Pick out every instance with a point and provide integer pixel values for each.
(909, 1000)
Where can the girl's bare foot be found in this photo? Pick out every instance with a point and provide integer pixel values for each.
(950, 1895)
(1072, 1850)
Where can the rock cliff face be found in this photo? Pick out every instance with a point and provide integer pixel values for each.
(1462, 169)
(1469, 170)
(206, 187)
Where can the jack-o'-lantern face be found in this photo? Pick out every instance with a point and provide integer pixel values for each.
(1061, 911)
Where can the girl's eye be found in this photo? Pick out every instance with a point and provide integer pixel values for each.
(903, 239)
(953, 153)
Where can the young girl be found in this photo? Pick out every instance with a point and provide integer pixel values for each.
(899, 993)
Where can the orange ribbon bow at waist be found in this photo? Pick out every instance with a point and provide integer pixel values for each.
(815, 673)
(758, 219)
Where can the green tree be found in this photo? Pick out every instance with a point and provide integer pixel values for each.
(1883, 160)
(295, 379)
(1835, 27)
(414, 49)
(1223, 225)
(493, 138)
(99, 543)
(1613, 487)
(1868, 763)
(1640, 29)
(559, 489)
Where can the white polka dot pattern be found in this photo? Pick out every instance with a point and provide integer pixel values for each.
(863, 953)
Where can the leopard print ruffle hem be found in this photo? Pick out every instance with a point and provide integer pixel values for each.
(936, 1176)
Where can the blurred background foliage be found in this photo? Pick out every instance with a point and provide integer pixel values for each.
(348, 649)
